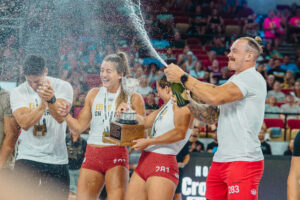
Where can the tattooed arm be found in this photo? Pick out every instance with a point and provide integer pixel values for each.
(203, 112)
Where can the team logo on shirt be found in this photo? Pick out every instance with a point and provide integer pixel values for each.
(100, 108)
(32, 106)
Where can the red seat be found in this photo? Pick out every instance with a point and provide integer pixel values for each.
(293, 123)
(161, 50)
(279, 104)
(287, 91)
(202, 57)
(274, 122)
(199, 52)
(222, 58)
(192, 41)
(231, 22)
(181, 19)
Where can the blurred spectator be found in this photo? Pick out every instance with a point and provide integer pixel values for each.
(76, 81)
(251, 27)
(224, 76)
(150, 103)
(215, 23)
(270, 82)
(194, 144)
(183, 57)
(272, 107)
(80, 100)
(177, 42)
(289, 151)
(139, 73)
(198, 22)
(198, 71)
(270, 64)
(272, 27)
(144, 89)
(215, 73)
(154, 73)
(289, 80)
(213, 146)
(288, 65)
(296, 92)
(189, 64)
(277, 71)
(76, 147)
(271, 51)
(294, 23)
(218, 45)
(276, 92)
(261, 69)
(169, 56)
(92, 62)
(290, 107)
(244, 11)
(265, 147)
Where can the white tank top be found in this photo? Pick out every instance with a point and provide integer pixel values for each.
(103, 112)
(163, 123)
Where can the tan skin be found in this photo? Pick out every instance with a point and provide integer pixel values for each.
(155, 187)
(11, 135)
(91, 182)
(25, 117)
(240, 59)
(293, 182)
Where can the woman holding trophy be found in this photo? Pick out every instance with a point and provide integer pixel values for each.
(156, 175)
(104, 162)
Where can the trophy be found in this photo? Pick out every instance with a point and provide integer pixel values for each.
(126, 128)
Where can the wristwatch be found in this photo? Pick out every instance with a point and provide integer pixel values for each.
(184, 78)
(52, 100)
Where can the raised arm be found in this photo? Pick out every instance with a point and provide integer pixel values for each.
(209, 93)
(46, 92)
(85, 116)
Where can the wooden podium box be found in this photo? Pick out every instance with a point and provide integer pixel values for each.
(123, 134)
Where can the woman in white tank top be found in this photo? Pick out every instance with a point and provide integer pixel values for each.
(155, 177)
(104, 163)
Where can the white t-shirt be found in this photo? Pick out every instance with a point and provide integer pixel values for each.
(240, 121)
(163, 123)
(51, 148)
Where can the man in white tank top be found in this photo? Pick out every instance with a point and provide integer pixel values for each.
(42, 153)
(238, 163)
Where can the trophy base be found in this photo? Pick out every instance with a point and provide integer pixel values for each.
(124, 134)
(124, 121)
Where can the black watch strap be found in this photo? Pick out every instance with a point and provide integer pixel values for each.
(52, 100)
(184, 78)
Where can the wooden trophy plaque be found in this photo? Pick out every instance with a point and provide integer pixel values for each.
(123, 134)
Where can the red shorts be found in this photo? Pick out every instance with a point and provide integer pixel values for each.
(101, 159)
(234, 180)
(155, 164)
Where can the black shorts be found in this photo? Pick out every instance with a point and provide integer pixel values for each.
(179, 186)
(47, 181)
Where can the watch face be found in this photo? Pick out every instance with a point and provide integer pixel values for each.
(184, 78)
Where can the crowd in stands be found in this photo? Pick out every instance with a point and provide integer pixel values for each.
(193, 34)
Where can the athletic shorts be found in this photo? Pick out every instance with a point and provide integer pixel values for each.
(101, 159)
(155, 164)
(234, 180)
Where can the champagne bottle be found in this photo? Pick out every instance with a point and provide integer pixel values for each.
(180, 93)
